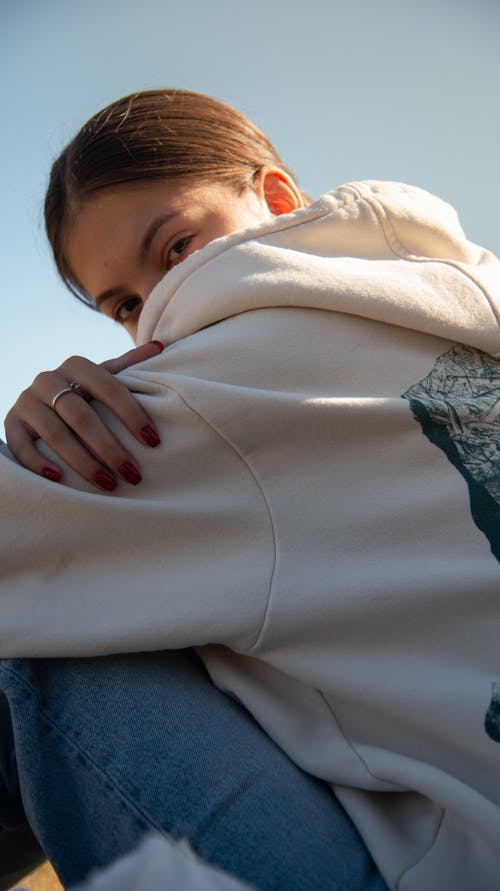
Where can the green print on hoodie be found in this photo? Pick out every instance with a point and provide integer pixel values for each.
(458, 406)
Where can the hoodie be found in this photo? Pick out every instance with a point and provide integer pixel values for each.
(321, 520)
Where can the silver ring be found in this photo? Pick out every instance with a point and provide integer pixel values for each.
(74, 387)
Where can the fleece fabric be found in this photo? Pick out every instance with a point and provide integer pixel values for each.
(322, 518)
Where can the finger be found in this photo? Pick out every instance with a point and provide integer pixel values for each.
(132, 357)
(96, 438)
(26, 421)
(20, 439)
(31, 418)
(100, 384)
(59, 438)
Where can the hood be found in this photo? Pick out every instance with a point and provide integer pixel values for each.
(385, 251)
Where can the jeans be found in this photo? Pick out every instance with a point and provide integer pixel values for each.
(95, 753)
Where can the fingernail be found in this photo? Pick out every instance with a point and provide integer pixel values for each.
(159, 344)
(150, 436)
(51, 474)
(105, 481)
(130, 473)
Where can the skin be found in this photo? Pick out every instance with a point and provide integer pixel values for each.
(122, 241)
(172, 219)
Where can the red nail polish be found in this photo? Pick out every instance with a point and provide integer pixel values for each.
(51, 474)
(105, 481)
(158, 343)
(150, 436)
(130, 473)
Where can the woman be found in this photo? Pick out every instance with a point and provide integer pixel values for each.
(320, 362)
(99, 751)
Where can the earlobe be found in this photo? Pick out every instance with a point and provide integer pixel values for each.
(279, 191)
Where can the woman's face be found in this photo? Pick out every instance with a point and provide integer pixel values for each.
(125, 238)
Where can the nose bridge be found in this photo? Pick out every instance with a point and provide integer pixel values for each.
(150, 279)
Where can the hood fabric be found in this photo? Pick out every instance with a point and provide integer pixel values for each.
(385, 251)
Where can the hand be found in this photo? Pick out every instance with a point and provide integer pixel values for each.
(72, 429)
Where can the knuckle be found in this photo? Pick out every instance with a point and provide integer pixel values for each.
(10, 418)
(110, 390)
(18, 417)
(72, 362)
(23, 453)
(52, 430)
(43, 381)
(13, 435)
(16, 434)
(77, 414)
(52, 438)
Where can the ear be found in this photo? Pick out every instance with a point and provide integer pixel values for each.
(278, 191)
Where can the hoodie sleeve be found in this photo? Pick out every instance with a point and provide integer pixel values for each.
(184, 559)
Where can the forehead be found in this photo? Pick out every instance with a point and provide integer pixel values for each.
(114, 218)
(127, 204)
(177, 191)
(124, 202)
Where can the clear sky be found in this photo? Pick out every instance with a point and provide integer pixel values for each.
(346, 89)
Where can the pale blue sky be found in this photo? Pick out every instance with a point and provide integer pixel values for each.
(346, 89)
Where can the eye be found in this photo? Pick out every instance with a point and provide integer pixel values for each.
(125, 309)
(176, 252)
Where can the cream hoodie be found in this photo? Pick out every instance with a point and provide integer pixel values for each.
(322, 518)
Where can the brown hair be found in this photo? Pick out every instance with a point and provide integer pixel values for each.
(156, 134)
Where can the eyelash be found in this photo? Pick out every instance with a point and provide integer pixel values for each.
(183, 243)
(135, 301)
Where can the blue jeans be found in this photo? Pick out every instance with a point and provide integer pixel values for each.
(94, 753)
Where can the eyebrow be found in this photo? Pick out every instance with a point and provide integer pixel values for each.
(152, 229)
(145, 245)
